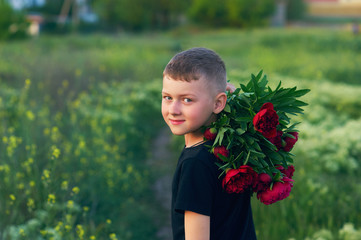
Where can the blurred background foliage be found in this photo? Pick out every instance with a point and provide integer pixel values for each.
(127, 15)
(13, 24)
(80, 116)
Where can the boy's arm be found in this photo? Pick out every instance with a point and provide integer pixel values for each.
(196, 226)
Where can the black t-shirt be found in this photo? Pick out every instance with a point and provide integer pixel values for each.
(197, 188)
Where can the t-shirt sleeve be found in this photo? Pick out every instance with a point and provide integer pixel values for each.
(195, 188)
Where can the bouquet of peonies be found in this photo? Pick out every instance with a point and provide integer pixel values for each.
(253, 138)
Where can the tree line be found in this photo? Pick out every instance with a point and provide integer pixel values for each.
(139, 15)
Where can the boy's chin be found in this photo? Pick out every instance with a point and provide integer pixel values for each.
(177, 133)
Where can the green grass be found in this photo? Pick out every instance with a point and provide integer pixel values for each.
(96, 99)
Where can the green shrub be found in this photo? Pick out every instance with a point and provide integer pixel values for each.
(234, 13)
(13, 25)
(81, 172)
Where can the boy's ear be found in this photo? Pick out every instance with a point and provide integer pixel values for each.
(220, 102)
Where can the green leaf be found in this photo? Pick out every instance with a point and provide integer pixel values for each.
(239, 156)
(247, 158)
(258, 154)
(274, 155)
(278, 86)
(243, 119)
(292, 127)
(259, 75)
(227, 108)
(244, 88)
(240, 131)
(300, 93)
(237, 91)
(255, 163)
(289, 135)
(299, 103)
(290, 109)
(263, 82)
(223, 158)
(220, 136)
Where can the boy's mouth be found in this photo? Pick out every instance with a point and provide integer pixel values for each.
(176, 122)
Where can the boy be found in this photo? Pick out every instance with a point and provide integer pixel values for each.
(194, 84)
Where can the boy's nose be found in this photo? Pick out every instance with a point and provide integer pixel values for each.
(175, 108)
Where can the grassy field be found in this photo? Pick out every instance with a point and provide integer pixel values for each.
(79, 114)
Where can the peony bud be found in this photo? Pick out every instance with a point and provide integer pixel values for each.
(210, 133)
(220, 150)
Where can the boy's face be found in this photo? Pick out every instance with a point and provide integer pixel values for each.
(187, 106)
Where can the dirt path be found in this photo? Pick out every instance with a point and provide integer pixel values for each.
(163, 159)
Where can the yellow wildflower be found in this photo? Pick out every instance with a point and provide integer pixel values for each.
(22, 232)
(43, 232)
(82, 144)
(30, 115)
(46, 131)
(12, 197)
(67, 228)
(64, 185)
(75, 190)
(113, 236)
(27, 83)
(51, 198)
(70, 204)
(56, 152)
(78, 72)
(59, 226)
(11, 130)
(80, 231)
(46, 175)
(30, 204)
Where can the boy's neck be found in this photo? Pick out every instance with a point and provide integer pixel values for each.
(197, 136)
(193, 139)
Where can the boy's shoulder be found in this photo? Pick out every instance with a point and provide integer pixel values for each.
(199, 156)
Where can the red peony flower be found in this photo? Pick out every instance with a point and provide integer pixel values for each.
(210, 133)
(262, 182)
(239, 180)
(290, 141)
(277, 140)
(220, 150)
(288, 172)
(266, 121)
(279, 191)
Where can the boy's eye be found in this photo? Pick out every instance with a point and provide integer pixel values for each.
(167, 98)
(187, 100)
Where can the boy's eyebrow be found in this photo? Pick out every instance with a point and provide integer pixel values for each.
(182, 95)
